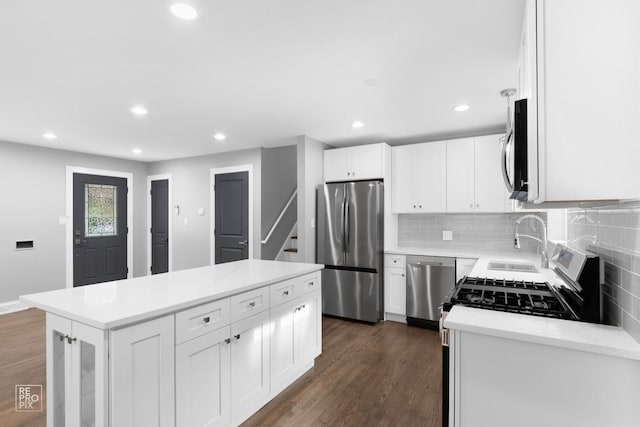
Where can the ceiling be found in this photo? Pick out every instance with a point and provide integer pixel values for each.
(262, 72)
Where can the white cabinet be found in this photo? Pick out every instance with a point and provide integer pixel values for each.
(249, 365)
(354, 163)
(582, 91)
(464, 267)
(474, 180)
(418, 181)
(76, 374)
(296, 338)
(203, 380)
(142, 374)
(395, 287)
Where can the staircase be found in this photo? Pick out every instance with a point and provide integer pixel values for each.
(289, 251)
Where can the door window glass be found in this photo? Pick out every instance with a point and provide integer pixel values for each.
(100, 210)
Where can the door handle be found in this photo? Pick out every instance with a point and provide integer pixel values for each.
(243, 242)
(79, 241)
(505, 173)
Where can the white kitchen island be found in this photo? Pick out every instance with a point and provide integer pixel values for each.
(200, 347)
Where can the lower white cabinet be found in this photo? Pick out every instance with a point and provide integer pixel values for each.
(203, 380)
(395, 291)
(76, 374)
(142, 374)
(249, 365)
(296, 338)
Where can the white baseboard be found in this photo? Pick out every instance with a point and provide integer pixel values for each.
(401, 318)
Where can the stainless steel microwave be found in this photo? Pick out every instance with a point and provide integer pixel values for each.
(514, 154)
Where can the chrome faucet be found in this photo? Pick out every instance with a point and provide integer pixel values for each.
(543, 241)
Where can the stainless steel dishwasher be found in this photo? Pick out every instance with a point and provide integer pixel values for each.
(429, 280)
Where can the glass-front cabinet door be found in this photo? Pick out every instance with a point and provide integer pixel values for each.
(76, 374)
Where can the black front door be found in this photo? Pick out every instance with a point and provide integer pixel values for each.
(99, 229)
(232, 217)
(159, 226)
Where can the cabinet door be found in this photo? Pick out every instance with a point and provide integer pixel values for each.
(366, 162)
(142, 374)
(395, 291)
(490, 194)
(308, 321)
(284, 356)
(404, 179)
(203, 380)
(89, 379)
(336, 165)
(432, 177)
(59, 368)
(460, 175)
(249, 366)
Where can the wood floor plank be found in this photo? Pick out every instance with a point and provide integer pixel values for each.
(383, 375)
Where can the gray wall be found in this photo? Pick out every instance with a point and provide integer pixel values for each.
(310, 175)
(33, 198)
(191, 190)
(279, 180)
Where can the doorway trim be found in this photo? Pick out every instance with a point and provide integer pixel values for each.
(212, 206)
(70, 170)
(151, 178)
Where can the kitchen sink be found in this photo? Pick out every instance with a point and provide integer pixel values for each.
(512, 266)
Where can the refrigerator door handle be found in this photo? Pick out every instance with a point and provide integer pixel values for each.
(344, 227)
(347, 227)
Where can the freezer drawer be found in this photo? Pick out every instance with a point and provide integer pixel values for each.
(352, 294)
(429, 280)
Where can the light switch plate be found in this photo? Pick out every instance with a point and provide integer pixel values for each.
(447, 235)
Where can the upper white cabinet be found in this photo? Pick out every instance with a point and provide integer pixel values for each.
(419, 177)
(474, 180)
(579, 68)
(354, 163)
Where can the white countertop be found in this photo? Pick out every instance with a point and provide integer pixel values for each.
(464, 253)
(582, 336)
(114, 304)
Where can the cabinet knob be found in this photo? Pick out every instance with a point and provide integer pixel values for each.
(70, 340)
(477, 205)
(237, 337)
(227, 341)
(414, 206)
(311, 284)
(206, 319)
(470, 205)
(252, 304)
(285, 293)
(402, 275)
(420, 206)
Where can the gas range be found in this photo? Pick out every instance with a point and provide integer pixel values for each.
(515, 296)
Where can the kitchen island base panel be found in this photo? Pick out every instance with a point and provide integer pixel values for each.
(530, 384)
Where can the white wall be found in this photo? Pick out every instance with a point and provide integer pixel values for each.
(310, 175)
(32, 198)
(191, 191)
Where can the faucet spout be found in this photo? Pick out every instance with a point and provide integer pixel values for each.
(543, 242)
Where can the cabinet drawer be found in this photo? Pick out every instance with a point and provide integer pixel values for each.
(307, 284)
(395, 261)
(249, 303)
(282, 292)
(204, 318)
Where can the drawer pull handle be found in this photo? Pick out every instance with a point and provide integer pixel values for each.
(285, 293)
(237, 337)
(70, 340)
(311, 284)
(252, 304)
(206, 319)
(227, 341)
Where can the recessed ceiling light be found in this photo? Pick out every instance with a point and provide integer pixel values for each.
(139, 110)
(460, 108)
(357, 125)
(184, 11)
(49, 135)
(219, 136)
(136, 151)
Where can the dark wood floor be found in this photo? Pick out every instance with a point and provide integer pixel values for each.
(383, 375)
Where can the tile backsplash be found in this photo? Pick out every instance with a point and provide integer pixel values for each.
(614, 234)
(486, 231)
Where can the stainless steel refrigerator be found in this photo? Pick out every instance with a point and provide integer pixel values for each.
(350, 243)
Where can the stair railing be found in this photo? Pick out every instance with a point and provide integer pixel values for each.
(284, 210)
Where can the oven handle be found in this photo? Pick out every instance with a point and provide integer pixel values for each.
(505, 173)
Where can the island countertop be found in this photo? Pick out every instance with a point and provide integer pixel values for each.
(114, 304)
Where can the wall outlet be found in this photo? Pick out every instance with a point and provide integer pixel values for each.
(447, 235)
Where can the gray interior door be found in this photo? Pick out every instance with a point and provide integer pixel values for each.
(99, 229)
(231, 217)
(159, 226)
